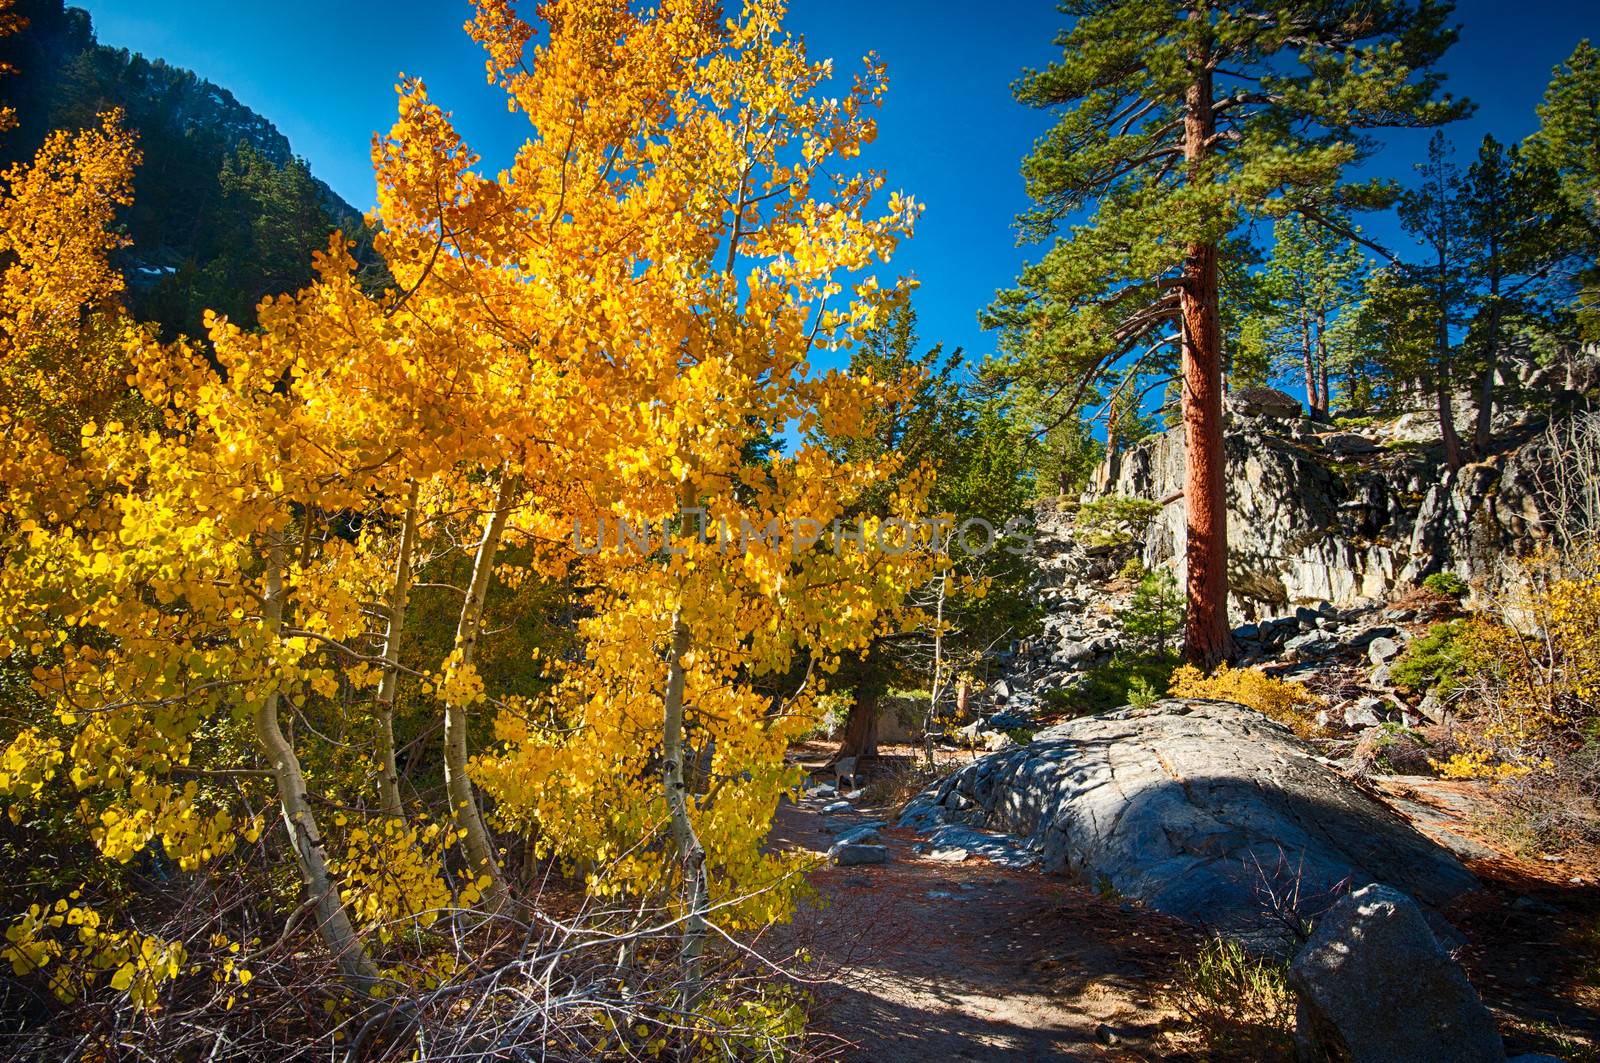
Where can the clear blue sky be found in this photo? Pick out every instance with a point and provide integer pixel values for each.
(950, 133)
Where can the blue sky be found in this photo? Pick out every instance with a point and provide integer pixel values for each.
(951, 135)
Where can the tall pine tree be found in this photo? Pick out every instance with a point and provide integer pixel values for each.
(1183, 121)
(1568, 142)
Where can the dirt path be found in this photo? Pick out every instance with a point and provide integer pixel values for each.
(929, 960)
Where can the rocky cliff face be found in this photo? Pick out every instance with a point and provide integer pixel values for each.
(1318, 513)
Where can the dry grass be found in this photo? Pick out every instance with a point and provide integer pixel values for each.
(1239, 1006)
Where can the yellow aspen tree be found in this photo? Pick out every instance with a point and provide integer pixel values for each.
(394, 629)
(690, 166)
(194, 591)
(61, 329)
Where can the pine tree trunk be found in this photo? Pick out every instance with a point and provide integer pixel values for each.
(399, 591)
(305, 840)
(1442, 382)
(1324, 395)
(860, 729)
(1313, 402)
(690, 851)
(1484, 429)
(463, 798)
(1206, 639)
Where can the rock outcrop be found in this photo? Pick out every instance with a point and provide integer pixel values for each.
(1201, 809)
(1375, 986)
(1317, 512)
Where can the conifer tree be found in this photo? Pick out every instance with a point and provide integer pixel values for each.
(1568, 143)
(1183, 121)
(1434, 215)
(1314, 276)
(1513, 218)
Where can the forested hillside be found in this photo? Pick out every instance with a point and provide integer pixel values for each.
(223, 212)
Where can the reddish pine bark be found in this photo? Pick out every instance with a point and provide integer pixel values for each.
(1205, 641)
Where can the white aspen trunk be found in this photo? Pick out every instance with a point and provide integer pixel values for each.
(389, 774)
(304, 837)
(938, 670)
(464, 808)
(690, 851)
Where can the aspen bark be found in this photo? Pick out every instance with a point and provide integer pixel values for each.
(333, 922)
(463, 797)
(937, 686)
(399, 591)
(693, 855)
(1206, 637)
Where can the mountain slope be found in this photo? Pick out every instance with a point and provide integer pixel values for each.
(223, 213)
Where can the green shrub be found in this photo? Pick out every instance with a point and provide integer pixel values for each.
(1117, 520)
(1446, 583)
(1132, 570)
(1156, 612)
(1351, 423)
(1437, 661)
(1132, 680)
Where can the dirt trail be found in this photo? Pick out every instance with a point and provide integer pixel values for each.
(928, 960)
(921, 960)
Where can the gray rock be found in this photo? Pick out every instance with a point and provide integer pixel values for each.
(1432, 708)
(826, 789)
(995, 848)
(1263, 402)
(1364, 712)
(851, 854)
(1381, 677)
(1349, 443)
(1533, 904)
(865, 834)
(1304, 525)
(1382, 650)
(1312, 644)
(836, 807)
(841, 829)
(1375, 986)
(949, 856)
(1191, 807)
(1006, 721)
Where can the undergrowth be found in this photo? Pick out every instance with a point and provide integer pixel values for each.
(1288, 703)
(1241, 1006)
(1124, 680)
(900, 783)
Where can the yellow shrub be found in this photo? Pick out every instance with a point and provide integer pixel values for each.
(1289, 703)
(1533, 695)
